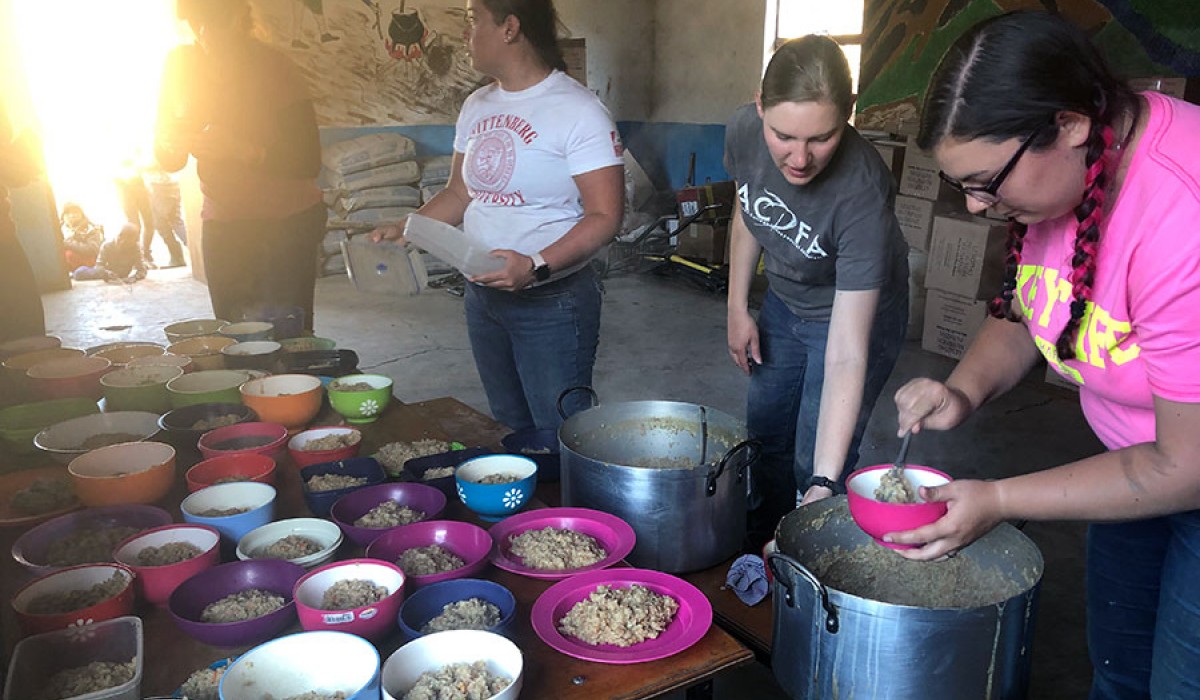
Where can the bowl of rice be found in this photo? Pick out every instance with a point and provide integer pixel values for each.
(302, 666)
(83, 537)
(371, 511)
(328, 443)
(204, 683)
(462, 603)
(229, 469)
(67, 440)
(233, 509)
(254, 437)
(323, 484)
(359, 596)
(431, 666)
(64, 598)
(129, 472)
(434, 550)
(496, 486)
(360, 398)
(183, 427)
(307, 542)
(237, 604)
(166, 556)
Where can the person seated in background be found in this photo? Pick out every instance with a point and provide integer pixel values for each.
(81, 238)
(120, 260)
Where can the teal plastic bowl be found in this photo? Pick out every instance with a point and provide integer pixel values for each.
(360, 406)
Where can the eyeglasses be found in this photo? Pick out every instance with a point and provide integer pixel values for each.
(989, 194)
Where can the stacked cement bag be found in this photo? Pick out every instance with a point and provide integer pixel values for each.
(435, 173)
(369, 180)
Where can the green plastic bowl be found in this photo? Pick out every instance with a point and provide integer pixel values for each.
(207, 386)
(19, 424)
(360, 406)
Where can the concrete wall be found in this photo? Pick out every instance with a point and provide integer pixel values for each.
(620, 51)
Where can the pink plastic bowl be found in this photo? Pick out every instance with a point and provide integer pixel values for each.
(371, 622)
(156, 583)
(73, 578)
(302, 457)
(468, 542)
(878, 519)
(244, 438)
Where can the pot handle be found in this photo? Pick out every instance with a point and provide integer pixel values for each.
(751, 447)
(567, 392)
(777, 562)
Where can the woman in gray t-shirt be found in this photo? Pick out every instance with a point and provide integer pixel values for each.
(816, 199)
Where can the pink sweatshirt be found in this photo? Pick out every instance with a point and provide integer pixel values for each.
(1140, 335)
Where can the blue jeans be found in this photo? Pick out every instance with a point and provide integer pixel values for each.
(784, 402)
(1143, 605)
(531, 345)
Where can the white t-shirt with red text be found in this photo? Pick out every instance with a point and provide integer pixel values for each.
(1140, 334)
(521, 152)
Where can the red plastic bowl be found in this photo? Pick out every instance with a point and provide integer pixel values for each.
(244, 438)
(468, 542)
(877, 518)
(69, 579)
(302, 457)
(371, 622)
(358, 503)
(156, 583)
(249, 466)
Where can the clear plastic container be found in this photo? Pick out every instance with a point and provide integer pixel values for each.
(466, 253)
(384, 268)
(37, 658)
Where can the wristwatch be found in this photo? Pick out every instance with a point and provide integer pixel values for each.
(541, 270)
(816, 480)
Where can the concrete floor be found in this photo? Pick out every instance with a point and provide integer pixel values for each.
(663, 340)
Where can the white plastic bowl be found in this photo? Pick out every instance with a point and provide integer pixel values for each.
(298, 663)
(434, 651)
(323, 532)
(63, 441)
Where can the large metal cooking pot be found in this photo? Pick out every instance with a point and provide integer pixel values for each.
(674, 471)
(831, 644)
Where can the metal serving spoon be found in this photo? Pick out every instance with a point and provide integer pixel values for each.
(895, 477)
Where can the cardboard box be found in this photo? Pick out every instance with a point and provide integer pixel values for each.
(966, 256)
(919, 177)
(916, 220)
(951, 322)
(892, 153)
(704, 241)
(691, 199)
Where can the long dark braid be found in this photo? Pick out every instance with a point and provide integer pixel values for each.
(1087, 235)
(1001, 305)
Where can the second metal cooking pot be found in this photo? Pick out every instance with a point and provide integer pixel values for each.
(674, 471)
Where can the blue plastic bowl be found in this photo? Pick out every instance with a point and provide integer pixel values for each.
(259, 498)
(539, 445)
(494, 502)
(427, 603)
(319, 502)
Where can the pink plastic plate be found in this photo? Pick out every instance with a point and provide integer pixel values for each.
(690, 625)
(612, 533)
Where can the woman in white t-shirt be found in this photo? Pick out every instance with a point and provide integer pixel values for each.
(537, 172)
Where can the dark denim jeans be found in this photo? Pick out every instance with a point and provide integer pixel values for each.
(531, 345)
(1143, 604)
(784, 402)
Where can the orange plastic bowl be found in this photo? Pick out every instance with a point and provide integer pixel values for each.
(877, 518)
(233, 467)
(292, 400)
(130, 472)
(68, 378)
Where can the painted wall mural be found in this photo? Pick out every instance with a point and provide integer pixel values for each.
(905, 39)
(376, 62)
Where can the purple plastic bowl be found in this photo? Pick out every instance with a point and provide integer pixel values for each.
(468, 542)
(188, 601)
(358, 503)
(30, 548)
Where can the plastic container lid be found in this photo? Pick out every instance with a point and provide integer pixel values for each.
(467, 253)
(384, 268)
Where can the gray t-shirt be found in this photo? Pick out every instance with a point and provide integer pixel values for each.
(837, 232)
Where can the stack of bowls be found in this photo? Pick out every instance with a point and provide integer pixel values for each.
(131, 472)
(139, 388)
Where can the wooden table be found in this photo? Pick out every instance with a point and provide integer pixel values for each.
(550, 675)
